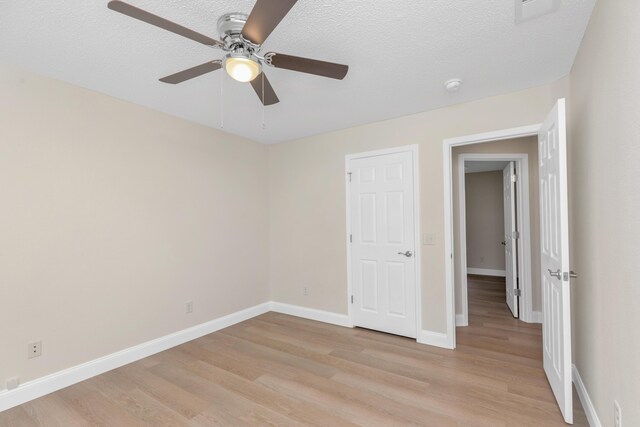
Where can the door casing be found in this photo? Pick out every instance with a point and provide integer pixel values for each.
(416, 226)
(524, 243)
(449, 246)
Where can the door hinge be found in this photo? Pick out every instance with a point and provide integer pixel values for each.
(349, 173)
(351, 299)
(516, 234)
(350, 238)
(517, 292)
(514, 178)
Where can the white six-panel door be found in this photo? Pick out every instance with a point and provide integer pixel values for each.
(554, 242)
(383, 243)
(510, 253)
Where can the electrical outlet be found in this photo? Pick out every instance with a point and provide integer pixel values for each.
(189, 307)
(305, 291)
(13, 383)
(34, 349)
(617, 414)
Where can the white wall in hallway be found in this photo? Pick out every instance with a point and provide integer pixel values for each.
(484, 220)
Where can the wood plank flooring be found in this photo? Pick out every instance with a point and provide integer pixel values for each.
(286, 371)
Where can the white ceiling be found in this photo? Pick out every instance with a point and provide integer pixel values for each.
(483, 166)
(399, 53)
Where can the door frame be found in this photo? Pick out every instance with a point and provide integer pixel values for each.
(449, 247)
(524, 243)
(413, 149)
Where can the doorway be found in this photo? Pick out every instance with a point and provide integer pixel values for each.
(554, 268)
(499, 242)
(382, 226)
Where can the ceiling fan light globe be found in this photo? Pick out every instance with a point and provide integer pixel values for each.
(241, 68)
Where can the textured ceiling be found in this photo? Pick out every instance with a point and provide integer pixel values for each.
(399, 53)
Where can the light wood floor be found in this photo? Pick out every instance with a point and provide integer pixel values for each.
(281, 370)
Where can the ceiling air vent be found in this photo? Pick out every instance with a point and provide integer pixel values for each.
(527, 10)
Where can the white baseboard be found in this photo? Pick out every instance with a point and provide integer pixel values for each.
(424, 337)
(437, 339)
(536, 317)
(461, 321)
(486, 272)
(312, 314)
(58, 380)
(50, 383)
(587, 404)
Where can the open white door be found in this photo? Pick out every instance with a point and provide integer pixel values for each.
(383, 265)
(554, 242)
(510, 229)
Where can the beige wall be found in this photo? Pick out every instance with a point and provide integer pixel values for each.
(484, 201)
(307, 196)
(520, 145)
(604, 159)
(112, 216)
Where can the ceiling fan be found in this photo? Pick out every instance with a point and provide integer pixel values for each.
(242, 37)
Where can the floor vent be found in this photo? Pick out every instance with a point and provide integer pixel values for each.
(527, 10)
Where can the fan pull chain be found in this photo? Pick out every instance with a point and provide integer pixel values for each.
(263, 125)
(221, 100)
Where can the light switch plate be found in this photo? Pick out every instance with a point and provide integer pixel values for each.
(429, 239)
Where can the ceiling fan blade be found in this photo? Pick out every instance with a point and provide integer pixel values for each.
(190, 73)
(310, 66)
(152, 19)
(265, 16)
(270, 96)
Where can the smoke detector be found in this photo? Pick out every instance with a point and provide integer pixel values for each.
(453, 85)
(527, 10)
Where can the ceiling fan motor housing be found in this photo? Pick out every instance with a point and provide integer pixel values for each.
(230, 27)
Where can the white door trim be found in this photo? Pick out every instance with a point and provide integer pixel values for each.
(524, 243)
(416, 226)
(448, 145)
